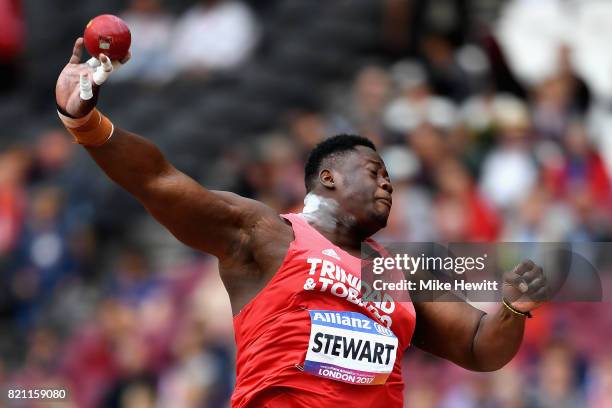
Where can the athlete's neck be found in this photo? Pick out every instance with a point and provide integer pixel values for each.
(324, 214)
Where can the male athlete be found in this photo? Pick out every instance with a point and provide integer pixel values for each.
(305, 337)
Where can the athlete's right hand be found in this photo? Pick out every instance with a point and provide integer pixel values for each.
(78, 85)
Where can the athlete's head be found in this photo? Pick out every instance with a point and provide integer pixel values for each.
(348, 169)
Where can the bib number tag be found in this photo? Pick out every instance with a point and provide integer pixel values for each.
(350, 347)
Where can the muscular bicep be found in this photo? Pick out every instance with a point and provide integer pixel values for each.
(448, 330)
(216, 222)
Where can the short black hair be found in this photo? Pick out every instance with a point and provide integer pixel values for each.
(332, 146)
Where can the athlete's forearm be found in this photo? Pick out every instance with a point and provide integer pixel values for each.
(497, 339)
(467, 336)
(131, 161)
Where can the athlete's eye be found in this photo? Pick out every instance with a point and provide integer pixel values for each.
(374, 173)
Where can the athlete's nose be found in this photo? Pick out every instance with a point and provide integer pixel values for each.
(386, 185)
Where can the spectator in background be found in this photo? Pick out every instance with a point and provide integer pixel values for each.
(307, 128)
(41, 361)
(151, 28)
(43, 257)
(132, 281)
(135, 383)
(557, 382)
(509, 170)
(591, 223)
(14, 165)
(405, 22)
(12, 42)
(473, 391)
(552, 105)
(396, 26)
(423, 396)
(462, 215)
(361, 111)
(52, 153)
(187, 383)
(416, 104)
(584, 167)
(581, 179)
(54, 162)
(447, 77)
(508, 387)
(275, 173)
(214, 35)
(428, 143)
(539, 219)
(91, 365)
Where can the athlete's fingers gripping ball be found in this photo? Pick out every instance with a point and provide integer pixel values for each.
(103, 70)
(108, 38)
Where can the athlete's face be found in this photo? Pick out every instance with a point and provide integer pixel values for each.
(363, 188)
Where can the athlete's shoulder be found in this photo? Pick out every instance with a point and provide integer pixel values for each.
(250, 211)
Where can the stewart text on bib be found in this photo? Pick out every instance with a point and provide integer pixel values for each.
(350, 347)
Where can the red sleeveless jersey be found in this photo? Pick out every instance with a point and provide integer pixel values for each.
(309, 340)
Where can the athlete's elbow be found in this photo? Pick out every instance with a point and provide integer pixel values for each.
(490, 368)
(161, 184)
(487, 365)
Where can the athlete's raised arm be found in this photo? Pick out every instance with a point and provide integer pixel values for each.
(214, 222)
(476, 340)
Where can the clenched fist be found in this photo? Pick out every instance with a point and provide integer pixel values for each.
(525, 287)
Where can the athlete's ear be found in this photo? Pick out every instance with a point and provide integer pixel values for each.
(327, 179)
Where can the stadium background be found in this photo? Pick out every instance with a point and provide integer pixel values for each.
(493, 118)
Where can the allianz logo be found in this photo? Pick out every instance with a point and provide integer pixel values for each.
(351, 321)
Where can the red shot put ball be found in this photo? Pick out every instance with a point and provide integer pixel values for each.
(109, 35)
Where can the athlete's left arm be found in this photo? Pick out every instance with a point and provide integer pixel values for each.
(476, 340)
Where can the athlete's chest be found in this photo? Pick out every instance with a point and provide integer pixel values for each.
(327, 277)
(354, 338)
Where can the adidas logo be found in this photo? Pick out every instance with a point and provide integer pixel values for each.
(331, 252)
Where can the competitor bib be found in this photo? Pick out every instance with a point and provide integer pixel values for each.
(350, 347)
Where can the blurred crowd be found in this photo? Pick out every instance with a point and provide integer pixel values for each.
(164, 46)
(482, 143)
